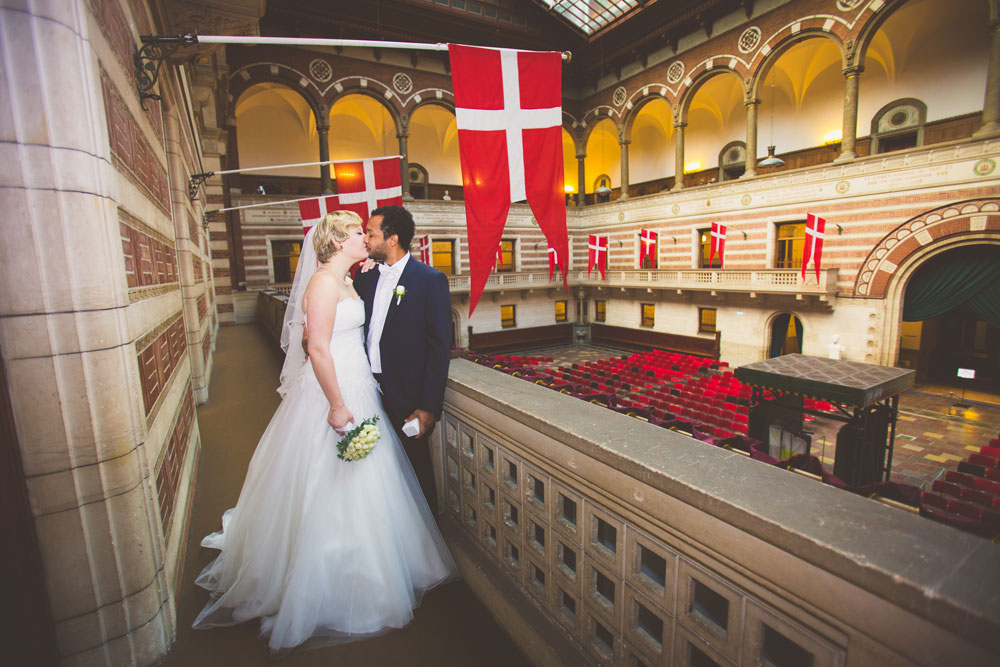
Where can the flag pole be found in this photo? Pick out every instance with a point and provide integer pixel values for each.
(266, 203)
(188, 39)
(198, 179)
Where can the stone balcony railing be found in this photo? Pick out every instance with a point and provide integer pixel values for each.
(599, 539)
(756, 281)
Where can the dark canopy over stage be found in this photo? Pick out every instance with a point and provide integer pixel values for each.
(866, 397)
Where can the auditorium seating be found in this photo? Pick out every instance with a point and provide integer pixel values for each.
(702, 397)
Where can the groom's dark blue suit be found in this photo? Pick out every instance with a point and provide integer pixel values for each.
(415, 350)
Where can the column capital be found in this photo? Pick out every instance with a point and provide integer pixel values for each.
(624, 142)
(581, 156)
(403, 136)
(680, 126)
(751, 102)
(853, 70)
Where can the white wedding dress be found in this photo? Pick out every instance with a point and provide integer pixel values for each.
(318, 547)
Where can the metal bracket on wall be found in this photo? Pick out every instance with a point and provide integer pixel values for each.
(149, 59)
(196, 181)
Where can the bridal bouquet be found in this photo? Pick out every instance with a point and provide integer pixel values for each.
(359, 441)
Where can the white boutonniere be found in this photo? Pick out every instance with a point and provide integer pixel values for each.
(400, 293)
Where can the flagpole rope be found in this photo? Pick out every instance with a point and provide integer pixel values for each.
(190, 38)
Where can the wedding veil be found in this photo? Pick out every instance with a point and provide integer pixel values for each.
(292, 325)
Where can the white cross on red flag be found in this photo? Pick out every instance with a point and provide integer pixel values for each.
(647, 246)
(813, 246)
(425, 250)
(508, 108)
(364, 185)
(718, 244)
(313, 210)
(553, 260)
(597, 254)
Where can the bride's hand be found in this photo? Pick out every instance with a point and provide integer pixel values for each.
(339, 418)
(367, 265)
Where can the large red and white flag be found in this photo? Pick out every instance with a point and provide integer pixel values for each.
(597, 254)
(364, 185)
(312, 210)
(718, 244)
(508, 108)
(425, 250)
(553, 261)
(813, 247)
(647, 247)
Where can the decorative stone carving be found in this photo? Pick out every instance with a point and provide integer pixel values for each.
(675, 72)
(749, 40)
(619, 96)
(402, 83)
(320, 70)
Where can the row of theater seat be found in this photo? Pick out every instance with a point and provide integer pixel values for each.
(970, 496)
(701, 397)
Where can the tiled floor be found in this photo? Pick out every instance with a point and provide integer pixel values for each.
(932, 435)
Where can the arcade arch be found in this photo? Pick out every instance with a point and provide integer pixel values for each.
(433, 143)
(361, 127)
(276, 125)
(603, 153)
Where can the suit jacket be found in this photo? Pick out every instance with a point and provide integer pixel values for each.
(416, 339)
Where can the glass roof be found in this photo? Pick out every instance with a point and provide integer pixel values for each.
(591, 15)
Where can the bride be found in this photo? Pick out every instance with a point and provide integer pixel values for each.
(318, 547)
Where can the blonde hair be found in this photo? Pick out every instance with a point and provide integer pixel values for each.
(334, 228)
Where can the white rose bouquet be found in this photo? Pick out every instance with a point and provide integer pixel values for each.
(359, 441)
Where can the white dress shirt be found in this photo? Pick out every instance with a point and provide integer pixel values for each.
(387, 281)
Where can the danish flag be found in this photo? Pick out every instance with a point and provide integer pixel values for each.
(718, 244)
(597, 254)
(553, 260)
(425, 250)
(508, 109)
(364, 185)
(813, 247)
(500, 255)
(647, 246)
(313, 210)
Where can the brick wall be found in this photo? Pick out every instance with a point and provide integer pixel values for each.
(171, 464)
(159, 354)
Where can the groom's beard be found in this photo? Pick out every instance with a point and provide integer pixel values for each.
(377, 254)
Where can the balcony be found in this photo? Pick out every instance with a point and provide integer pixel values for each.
(713, 281)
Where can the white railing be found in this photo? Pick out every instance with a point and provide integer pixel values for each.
(783, 281)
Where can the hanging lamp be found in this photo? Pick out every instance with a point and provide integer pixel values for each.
(771, 160)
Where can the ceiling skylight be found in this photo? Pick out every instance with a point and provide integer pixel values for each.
(591, 15)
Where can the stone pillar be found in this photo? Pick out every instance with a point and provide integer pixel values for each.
(404, 165)
(679, 155)
(624, 189)
(991, 102)
(185, 225)
(581, 176)
(68, 337)
(849, 133)
(751, 164)
(324, 155)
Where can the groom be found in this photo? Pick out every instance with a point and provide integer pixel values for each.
(407, 334)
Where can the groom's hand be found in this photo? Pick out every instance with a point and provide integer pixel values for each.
(426, 421)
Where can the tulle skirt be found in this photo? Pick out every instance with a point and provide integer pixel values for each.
(320, 548)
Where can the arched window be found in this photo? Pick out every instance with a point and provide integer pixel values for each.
(732, 161)
(898, 125)
(418, 181)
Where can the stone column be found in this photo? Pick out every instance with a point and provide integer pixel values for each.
(991, 102)
(324, 155)
(187, 253)
(68, 333)
(679, 155)
(849, 133)
(581, 175)
(404, 165)
(624, 189)
(751, 164)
